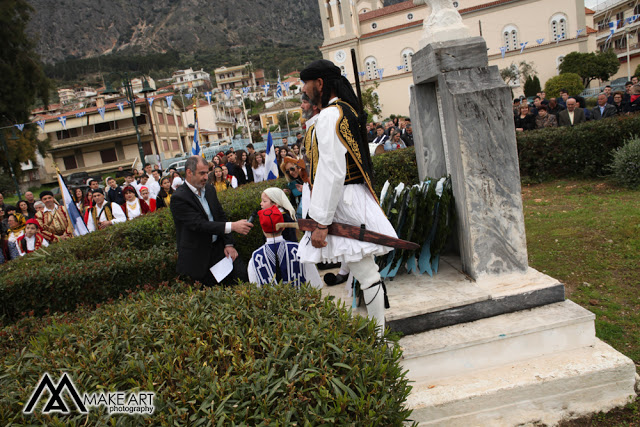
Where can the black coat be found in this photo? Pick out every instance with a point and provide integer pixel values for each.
(194, 231)
(242, 178)
(526, 123)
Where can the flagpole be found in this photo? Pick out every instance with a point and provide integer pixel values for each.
(286, 116)
(244, 107)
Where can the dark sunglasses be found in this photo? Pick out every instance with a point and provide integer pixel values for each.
(292, 169)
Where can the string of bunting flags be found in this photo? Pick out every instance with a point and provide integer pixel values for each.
(558, 37)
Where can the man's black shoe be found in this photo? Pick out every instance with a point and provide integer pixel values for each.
(328, 266)
(332, 279)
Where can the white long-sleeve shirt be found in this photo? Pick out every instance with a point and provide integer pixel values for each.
(116, 210)
(332, 167)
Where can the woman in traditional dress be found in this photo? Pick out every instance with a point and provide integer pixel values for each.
(16, 224)
(133, 206)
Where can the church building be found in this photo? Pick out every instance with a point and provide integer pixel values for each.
(540, 32)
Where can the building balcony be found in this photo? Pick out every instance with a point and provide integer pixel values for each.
(225, 120)
(94, 138)
(232, 79)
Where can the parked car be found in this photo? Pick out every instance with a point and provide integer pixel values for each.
(179, 165)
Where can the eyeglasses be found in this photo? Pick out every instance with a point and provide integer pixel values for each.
(292, 169)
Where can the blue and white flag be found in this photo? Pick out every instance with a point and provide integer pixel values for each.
(380, 72)
(63, 120)
(208, 96)
(539, 41)
(266, 88)
(503, 50)
(361, 73)
(101, 111)
(79, 227)
(522, 46)
(580, 32)
(169, 102)
(195, 146)
(80, 114)
(279, 89)
(189, 95)
(120, 106)
(21, 126)
(559, 37)
(228, 93)
(400, 67)
(344, 75)
(151, 101)
(41, 123)
(270, 163)
(245, 90)
(286, 85)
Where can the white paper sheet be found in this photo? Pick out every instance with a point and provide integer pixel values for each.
(222, 269)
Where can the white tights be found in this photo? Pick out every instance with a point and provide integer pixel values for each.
(365, 271)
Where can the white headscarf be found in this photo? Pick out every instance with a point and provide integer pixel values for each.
(277, 196)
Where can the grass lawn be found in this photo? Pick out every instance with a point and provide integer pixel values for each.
(587, 235)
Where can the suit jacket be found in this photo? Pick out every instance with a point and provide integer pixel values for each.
(578, 117)
(609, 111)
(241, 177)
(194, 231)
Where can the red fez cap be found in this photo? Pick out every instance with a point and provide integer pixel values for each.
(34, 222)
(269, 218)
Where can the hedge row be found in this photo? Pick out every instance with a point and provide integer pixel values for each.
(104, 264)
(580, 151)
(242, 355)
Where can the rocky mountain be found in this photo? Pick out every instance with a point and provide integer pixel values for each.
(86, 28)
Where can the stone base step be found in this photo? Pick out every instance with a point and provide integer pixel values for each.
(543, 390)
(499, 340)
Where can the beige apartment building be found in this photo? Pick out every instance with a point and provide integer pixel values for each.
(93, 144)
(624, 40)
(216, 123)
(238, 76)
(385, 38)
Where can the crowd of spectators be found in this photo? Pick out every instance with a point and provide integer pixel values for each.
(567, 110)
(392, 135)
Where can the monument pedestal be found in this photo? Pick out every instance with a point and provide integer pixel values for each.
(502, 351)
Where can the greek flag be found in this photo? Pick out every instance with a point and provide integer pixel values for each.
(279, 89)
(361, 73)
(270, 162)
(228, 93)
(189, 95)
(208, 96)
(195, 147)
(120, 106)
(151, 101)
(20, 127)
(266, 88)
(169, 102)
(286, 85)
(522, 46)
(580, 32)
(79, 227)
(613, 26)
(400, 67)
(80, 114)
(503, 50)
(101, 111)
(559, 37)
(245, 90)
(41, 123)
(539, 41)
(380, 71)
(63, 120)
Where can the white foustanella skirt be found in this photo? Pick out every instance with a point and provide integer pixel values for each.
(357, 206)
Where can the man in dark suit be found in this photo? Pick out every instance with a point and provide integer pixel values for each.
(571, 116)
(233, 168)
(603, 109)
(407, 137)
(203, 234)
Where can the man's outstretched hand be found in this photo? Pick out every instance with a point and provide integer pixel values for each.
(319, 237)
(242, 227)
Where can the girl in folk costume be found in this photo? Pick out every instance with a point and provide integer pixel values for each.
(133, 207)
(164, 196)
(31, 240)
(17, 225)
(151, 202)
(219, 183)
(275, 197)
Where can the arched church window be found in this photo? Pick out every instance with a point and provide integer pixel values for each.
(329, 12)
(407, 54)
(510, 38)
(371, 68)
(559, 28)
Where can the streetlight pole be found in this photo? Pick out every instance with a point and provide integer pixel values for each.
(126, 84)
(628, 61)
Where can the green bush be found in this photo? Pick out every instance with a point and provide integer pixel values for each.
(570, 81)
(625, 167)
(242, 355)
(395, 166)
(579, 151)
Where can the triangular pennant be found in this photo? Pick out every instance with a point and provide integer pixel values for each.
(286, 85)
(208, 96)
(522, 46)
(63, 121)
(101, 110)
(169, 99)
(245, 90)
(228, 93)
(539, 41)
(151, 101)
(380, 72)
(503, 50)
(120, 106)
(400, 67)
(189, 96)
(41, 123)
(20, 126)
(361, 73)
(80, 114)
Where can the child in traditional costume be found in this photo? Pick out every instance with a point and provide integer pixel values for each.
(31, 240)
(275, 197)
(277, 260)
